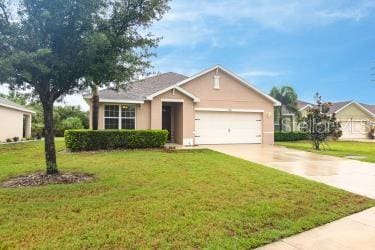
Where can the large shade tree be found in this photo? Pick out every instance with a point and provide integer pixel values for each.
(120, 47)
(288, 98)
(47, 47)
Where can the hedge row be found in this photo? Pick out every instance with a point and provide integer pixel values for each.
(290, 136)
(86, 140)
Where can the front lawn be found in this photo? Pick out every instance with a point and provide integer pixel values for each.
(154, 199)
(365, 150)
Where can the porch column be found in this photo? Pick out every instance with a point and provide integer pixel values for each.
(156, 114)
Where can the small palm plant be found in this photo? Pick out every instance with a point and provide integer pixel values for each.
(288, 98)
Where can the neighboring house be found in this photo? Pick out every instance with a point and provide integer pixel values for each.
(355, 118)
(290, 120)
(15, 120)
(214, 106)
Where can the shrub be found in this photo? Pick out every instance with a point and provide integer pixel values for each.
(8, 140)
(290, 136)
(70, 123)
(37, 130)
(16, 139)
(86, 140)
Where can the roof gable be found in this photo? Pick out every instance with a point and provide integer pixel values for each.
(242, 81)
(338, 107)
(301, 105)
(9, 104)
(369, 107)
(139, 90)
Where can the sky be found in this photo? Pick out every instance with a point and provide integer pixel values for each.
(313, 45)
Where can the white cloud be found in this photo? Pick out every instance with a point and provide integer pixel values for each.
(196, 21)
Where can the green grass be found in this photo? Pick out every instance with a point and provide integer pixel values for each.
(338, 148)
(154, 199)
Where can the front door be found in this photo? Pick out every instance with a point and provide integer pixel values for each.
(166, 120)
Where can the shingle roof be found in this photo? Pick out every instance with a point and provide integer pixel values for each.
(334, 108)
(8, 103)
(369, 107)
(285, 110)
(337, 105)
(138, 90)
(302, 104)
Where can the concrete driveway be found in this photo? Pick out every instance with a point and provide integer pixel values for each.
(351, 175)
(356, 231)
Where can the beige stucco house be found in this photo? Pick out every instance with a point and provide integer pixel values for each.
(355, 118)
(214, 106)
(15, 120)
(290, 120)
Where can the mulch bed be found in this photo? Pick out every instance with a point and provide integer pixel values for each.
(41, 178)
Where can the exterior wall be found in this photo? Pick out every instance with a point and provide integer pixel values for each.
(296, 125)
(186, 117)
(289, 123)
(101, 115)
(353, 112)
(176, 121)
(232, 95)
(179, 123)
(149, 115)
(142, 115)
(11, 123)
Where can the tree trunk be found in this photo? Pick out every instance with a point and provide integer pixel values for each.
(95, 108)
(49, 138)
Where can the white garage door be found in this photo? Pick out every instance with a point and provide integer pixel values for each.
(227, 127)
(353, 129)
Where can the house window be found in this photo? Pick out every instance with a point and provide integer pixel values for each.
(111, 111)
(127, 116)
(119, 116)
(111, 123)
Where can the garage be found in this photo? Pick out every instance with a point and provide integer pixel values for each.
(224, 127)
(353, 129)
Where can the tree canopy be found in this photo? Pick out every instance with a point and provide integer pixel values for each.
(288, 98)
(319, 124)
(52, 46)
